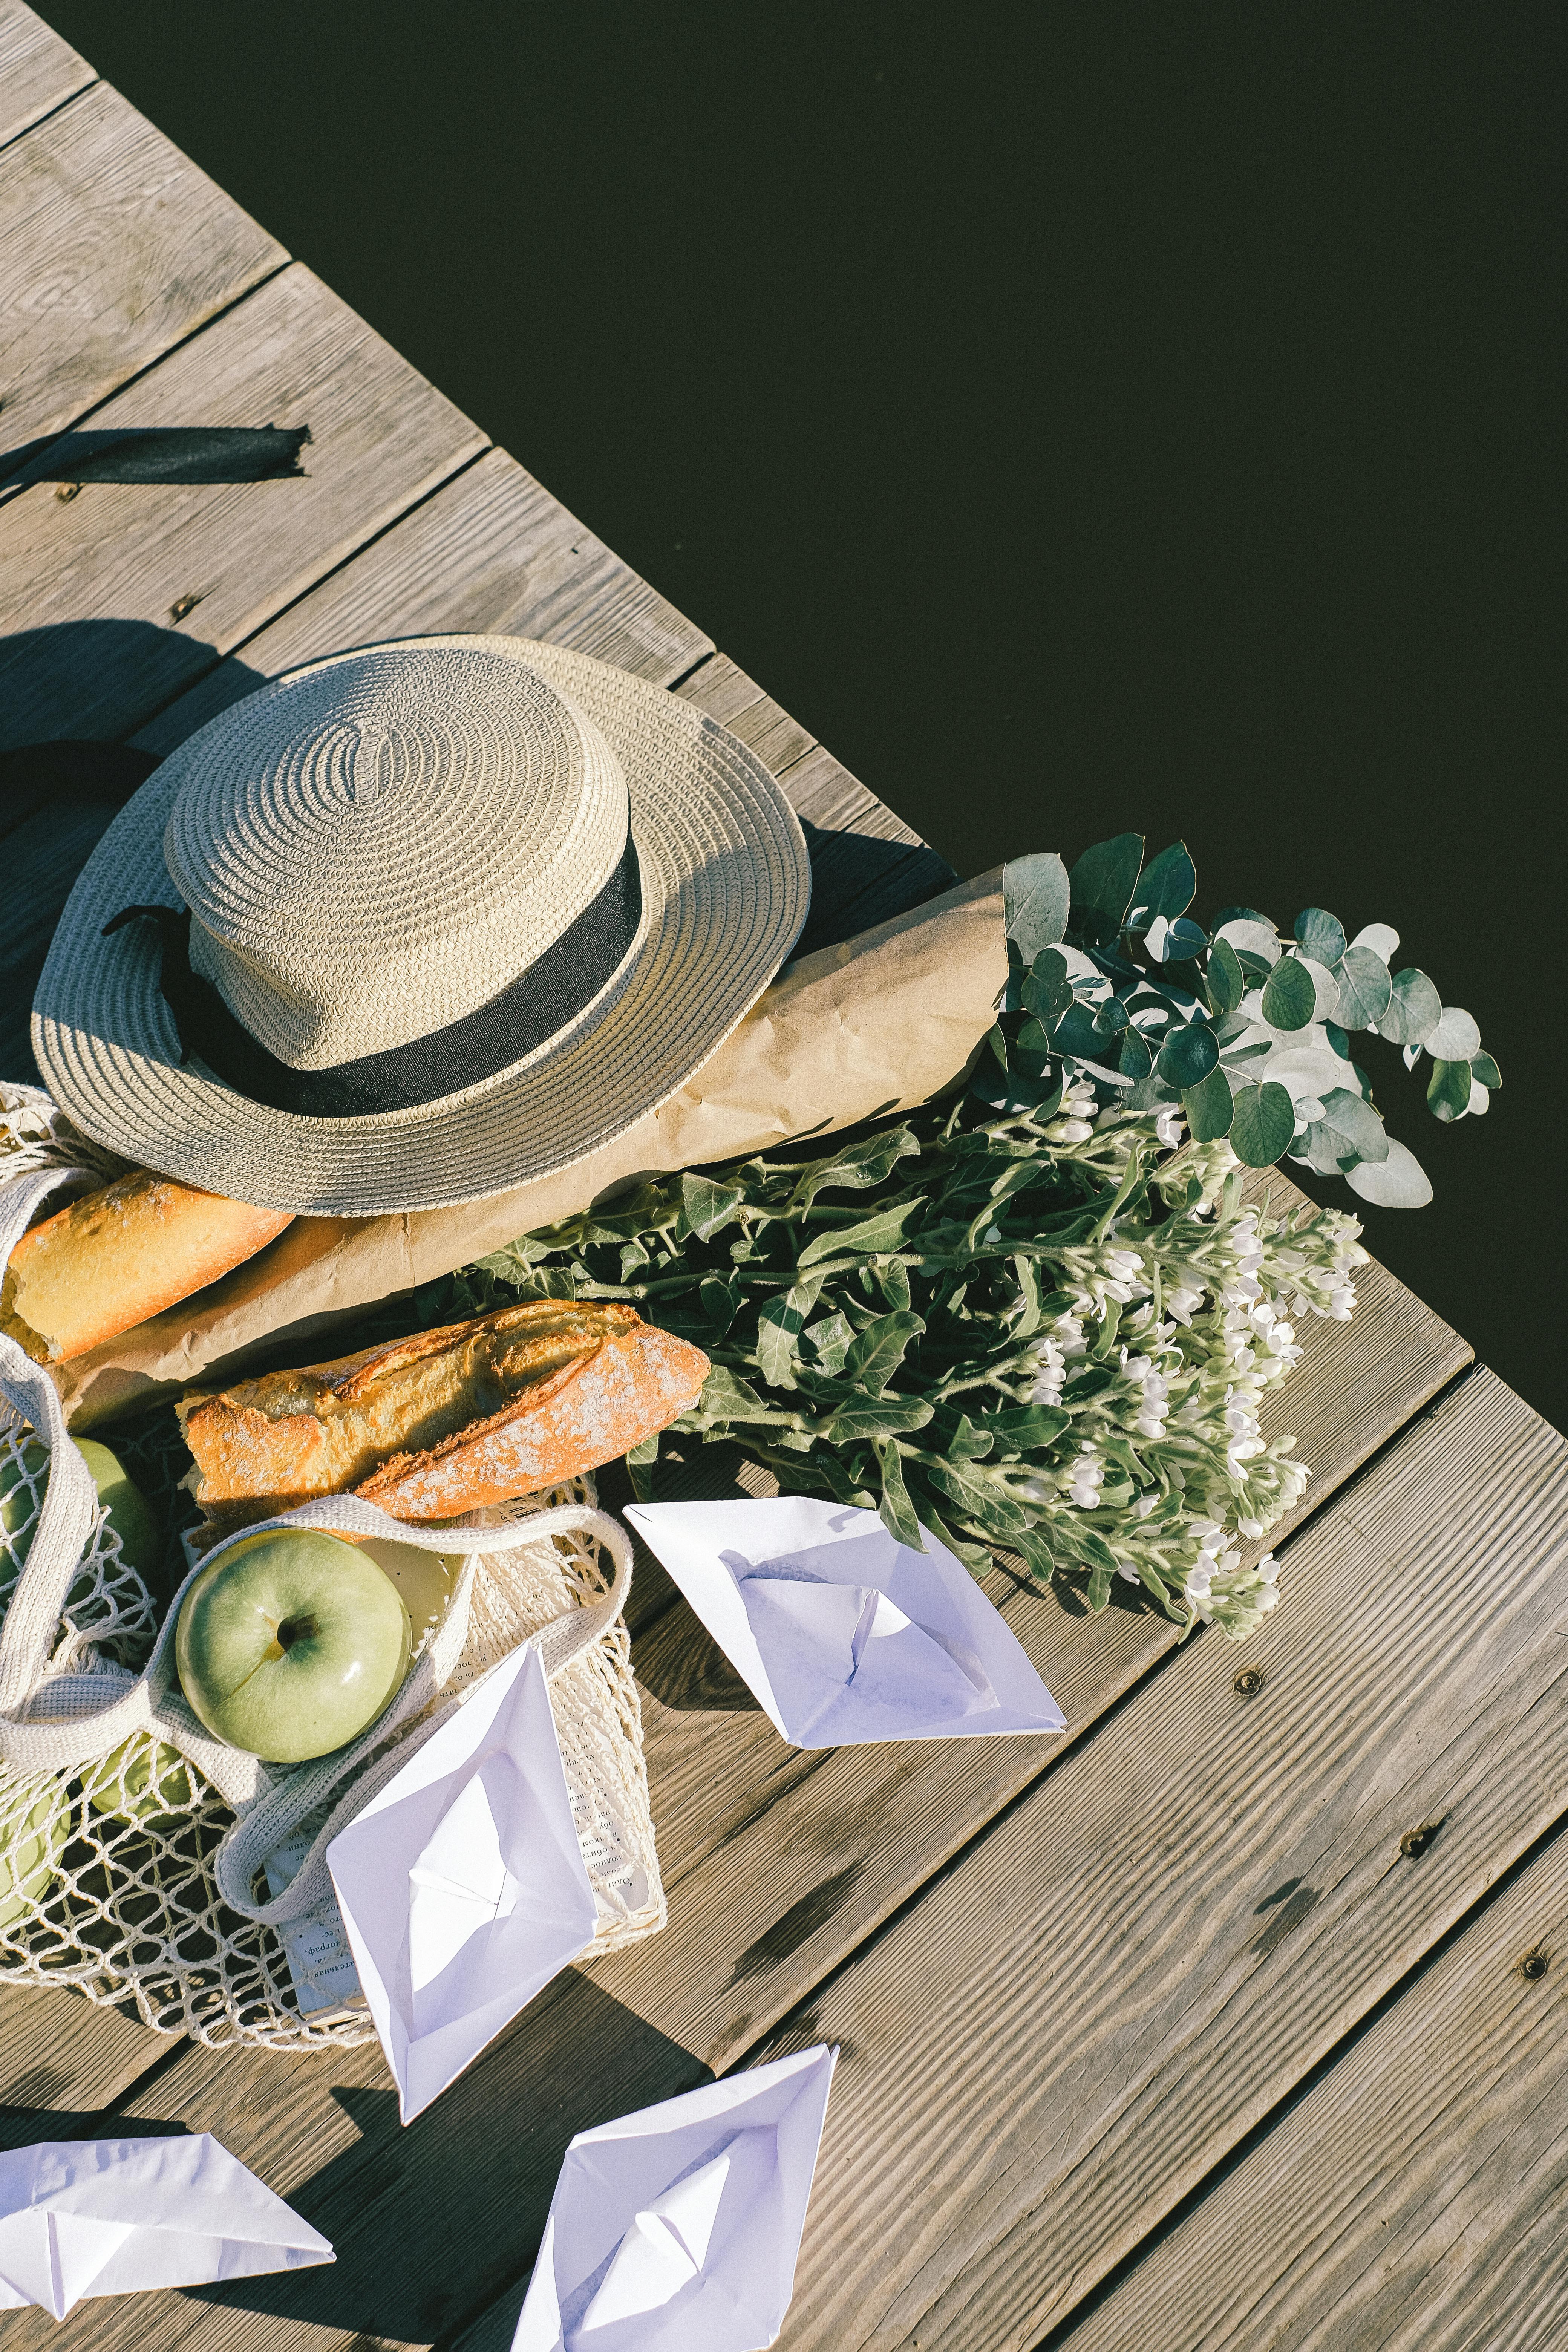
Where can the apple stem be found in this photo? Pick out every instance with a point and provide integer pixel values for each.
(294, 1629)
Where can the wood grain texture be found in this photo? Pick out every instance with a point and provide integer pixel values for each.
(1414, 2200)
(113, 248)
(39, 71)
(780, 1863)
(490, 552)
(866, 863)
(62, 2055)
(97, 588)
(1072, 2028)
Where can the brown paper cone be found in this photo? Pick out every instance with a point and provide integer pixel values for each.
(878, 1023)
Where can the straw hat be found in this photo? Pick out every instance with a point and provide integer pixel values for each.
(460, 909)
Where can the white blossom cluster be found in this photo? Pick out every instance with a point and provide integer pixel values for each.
(1195, 1318)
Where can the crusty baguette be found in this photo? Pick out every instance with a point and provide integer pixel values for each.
(117, 1255)
(433, 1426)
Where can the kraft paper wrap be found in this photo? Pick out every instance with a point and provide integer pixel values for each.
(878, 1023)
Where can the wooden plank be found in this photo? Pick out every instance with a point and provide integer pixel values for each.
(724, 691)
(810, 1852)
(866, 863)
(99, 589)
(780, 1864)
(39, 71)
(63, 2057)
(1414, 2199)
(491, 552)
(1068, 2031)
(113, 248)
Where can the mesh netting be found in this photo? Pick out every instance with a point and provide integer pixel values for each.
(108, 1866)
(106, 1877)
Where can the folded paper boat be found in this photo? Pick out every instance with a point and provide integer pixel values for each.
(462, 1885)
(677, 2229)
(844, 1633)
(93, 2216)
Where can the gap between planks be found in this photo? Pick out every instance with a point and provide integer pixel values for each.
(1365, 2219)
(39, 71)
(115, 249)
(1145, 2039)
(604, 2039)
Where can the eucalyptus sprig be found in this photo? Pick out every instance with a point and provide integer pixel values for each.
(1113, 988)
(1022, 1330)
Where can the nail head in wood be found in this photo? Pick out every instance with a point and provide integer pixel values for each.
(1248, 1682)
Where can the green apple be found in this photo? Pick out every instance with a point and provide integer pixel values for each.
(140, 1781)
(128, 1512)
(289, 1643)
(127, 1509)
(31, 1843)
(18, 1516)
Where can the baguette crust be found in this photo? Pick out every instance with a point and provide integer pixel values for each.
(121, 1255)
(436, 1425)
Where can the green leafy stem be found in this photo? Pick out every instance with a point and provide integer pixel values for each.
(1115, 992)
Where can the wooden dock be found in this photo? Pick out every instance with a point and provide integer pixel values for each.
(1236, 2018)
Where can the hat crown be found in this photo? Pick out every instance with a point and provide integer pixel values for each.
(374, 847)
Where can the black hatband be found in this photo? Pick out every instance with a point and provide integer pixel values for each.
(542, 1001)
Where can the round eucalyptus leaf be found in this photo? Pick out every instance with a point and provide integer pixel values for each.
(1381, 937)
(1136, 1060)
(1111, 1017)
(1354, 1127)
(1210, 1107)
(1251, 936)
(1186, 1059)
(1364, 988)
(1414, 1009)
(1456, 1037)
(1101, 885)
(1165, 887)
(1480, 1100)
(1320, 936)
(1321, 1150)
(1448, 1090)
(1326, 986)
(1290, 996)
(1226, 981)
(1485, 1072)
(1034, 898)
(1262, 1124)
(1183, 940)
(1398, 1182)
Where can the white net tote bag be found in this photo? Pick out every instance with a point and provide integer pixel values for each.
(141, 1857)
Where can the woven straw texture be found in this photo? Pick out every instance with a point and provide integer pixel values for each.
(323, 836)
(726, 885)
(126, 1869)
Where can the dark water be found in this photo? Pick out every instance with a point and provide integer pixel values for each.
(1082, 419)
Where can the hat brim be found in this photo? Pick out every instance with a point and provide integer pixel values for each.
(726, 885)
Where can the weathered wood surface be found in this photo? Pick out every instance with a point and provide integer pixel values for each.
(490, 552)
(39, 71)
(1399, 2232)
(1068, 2031)
(61, 2057)
(123, 594)
(1071, 1978)
(113, 248)
(866, 863)
(780, 1863)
